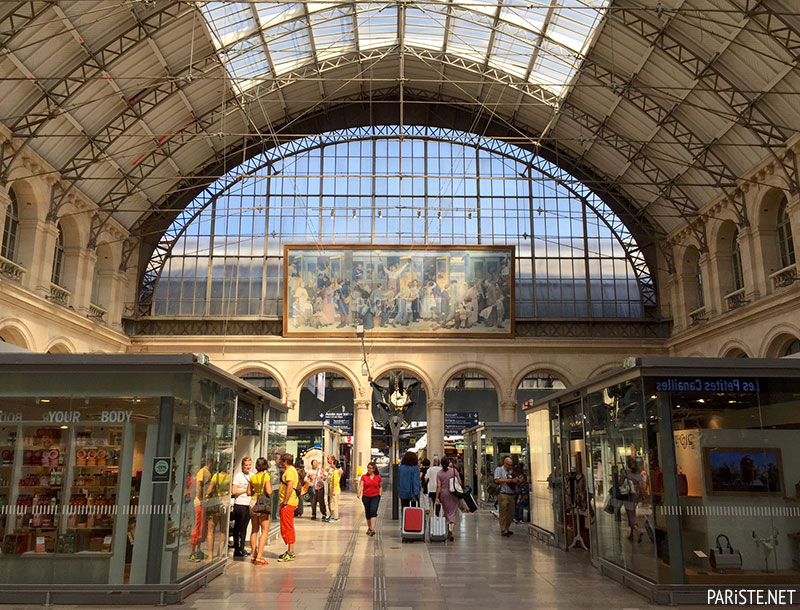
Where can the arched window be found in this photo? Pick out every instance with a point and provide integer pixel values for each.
(57, 276)
(785, 243)
(792, 348)
(96, 285)
(701, 300)
(399, 185)
(10, 229)
(736, 262)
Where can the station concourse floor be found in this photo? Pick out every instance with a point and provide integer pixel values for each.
(338, 566)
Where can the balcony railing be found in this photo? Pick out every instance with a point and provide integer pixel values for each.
(736, 299)
(11, 270)
(59, 295)
(784, 277)
(698, 315)
(96, 312)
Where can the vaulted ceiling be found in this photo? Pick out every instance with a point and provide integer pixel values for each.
(665, 102)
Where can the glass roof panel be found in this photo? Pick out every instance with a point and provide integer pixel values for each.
(509, 36)
(425, 24)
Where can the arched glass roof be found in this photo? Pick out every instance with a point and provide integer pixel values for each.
(410, 185)
(540, 41)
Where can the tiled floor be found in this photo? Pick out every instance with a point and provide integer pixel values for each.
(479, 570)
(339, 567)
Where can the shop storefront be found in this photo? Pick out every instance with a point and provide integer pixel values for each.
(102, 460)
(485, 447)
(308, 440)
(660, 468)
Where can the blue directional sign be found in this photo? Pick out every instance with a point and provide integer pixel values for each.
(458, 421)
(342, 421)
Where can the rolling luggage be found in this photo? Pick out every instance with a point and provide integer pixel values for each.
(469, 500)
(413, 523)
(438, 526)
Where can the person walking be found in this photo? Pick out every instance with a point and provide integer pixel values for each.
(504, 477)
(288, 499)
(432, 480)
(448, 500)
(369, 492)
(408, 479)
(316, 481)
(241, 508)
(630, 491)
(259, 484)
(423, 484)
(334, 487)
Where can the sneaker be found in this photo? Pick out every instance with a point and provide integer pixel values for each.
(334, 519)
(325, 519)
(195, 558)
(313, 518)
(287, 556)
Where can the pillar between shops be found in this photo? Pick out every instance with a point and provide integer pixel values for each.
(435, 415)
(508, 410)
(362, 441)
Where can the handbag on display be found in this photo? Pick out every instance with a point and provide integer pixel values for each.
(609, 506)
(455, 486)
(724, 558)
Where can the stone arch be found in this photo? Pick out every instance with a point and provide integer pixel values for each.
(734, 349)
(549, 368)
(777, 340)
(320, 367)
(484, 408)
(608, 367)
(60, 345)
(473, 367)
(766, 216)
(15, 332)
(726, 232)
(406, 367)
(260, 367)
(33, 194)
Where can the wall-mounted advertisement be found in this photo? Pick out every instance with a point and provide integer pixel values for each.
(398, 291)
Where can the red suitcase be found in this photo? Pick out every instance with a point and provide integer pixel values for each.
(413, 524)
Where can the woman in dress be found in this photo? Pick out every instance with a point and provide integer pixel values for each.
(369, 491)
(630, 485)
(448, 501)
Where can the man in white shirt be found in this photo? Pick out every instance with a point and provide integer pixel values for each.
(241, 508)
(503, 476)
(431, 476)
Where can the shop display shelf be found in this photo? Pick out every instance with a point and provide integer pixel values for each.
(21, 486)
(91, 446)
(79, 486)
(40, 466)
(109, 466)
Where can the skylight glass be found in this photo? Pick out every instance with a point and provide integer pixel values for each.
(539, 41)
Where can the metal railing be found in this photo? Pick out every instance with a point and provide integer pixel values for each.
(96, 312)
(59, 295)
(784, 277)
(698, 315)
(736, 299)
(11, 270)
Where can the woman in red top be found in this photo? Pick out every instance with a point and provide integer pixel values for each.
(369, 490)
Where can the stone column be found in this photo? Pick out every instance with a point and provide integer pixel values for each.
(508, 410)
(750, 270)
(78, 276)
(711, 287)
(362, 437)
(111, 297)
(435, 415)
(36, 253)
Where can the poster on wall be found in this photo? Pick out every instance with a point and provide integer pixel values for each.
(737, 471)
(398, 291)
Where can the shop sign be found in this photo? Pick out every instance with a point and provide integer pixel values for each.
(458, 421)
(245, 415)
(10, 416)
(340, 420)
(161, 469)
(74, 417)
(722, 384)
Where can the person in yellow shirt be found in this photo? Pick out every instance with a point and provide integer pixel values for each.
(259, 484)
(200, 528)
(288, 497)
(218, 510)
(334, 487)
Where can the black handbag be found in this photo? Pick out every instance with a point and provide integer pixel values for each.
(263, 504)
(724, 558)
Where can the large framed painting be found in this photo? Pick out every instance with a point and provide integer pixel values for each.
(737, 471)
(398, 291)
